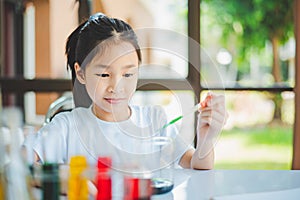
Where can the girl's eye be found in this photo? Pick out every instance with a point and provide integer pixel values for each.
(103, 75)
(128, 75)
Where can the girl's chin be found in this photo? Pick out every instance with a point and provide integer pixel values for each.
(112, 107)
(116, 107)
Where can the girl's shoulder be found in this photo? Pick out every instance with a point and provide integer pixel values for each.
(74, 113)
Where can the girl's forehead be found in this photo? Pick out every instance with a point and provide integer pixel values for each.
(110, 53)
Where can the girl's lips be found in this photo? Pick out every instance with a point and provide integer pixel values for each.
(114, 100)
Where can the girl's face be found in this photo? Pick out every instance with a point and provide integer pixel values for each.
(110, 80)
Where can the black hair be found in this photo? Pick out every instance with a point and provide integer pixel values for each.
(97, 29)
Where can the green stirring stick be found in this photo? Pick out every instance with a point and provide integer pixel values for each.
(192, 110)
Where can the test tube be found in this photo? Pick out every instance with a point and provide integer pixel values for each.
(103, 178)
(50, 181)
(3, 158)
(78, 189)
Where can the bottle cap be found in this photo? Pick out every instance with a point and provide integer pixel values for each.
(78, 161)
(104, 163)
(51, 167)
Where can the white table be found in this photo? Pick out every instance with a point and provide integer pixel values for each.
(234, 184)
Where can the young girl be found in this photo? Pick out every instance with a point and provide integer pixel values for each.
(104, 56)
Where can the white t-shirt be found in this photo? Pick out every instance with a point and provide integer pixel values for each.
(80, 132)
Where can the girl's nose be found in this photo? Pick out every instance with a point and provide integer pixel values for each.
(116, 86)
(111, 89)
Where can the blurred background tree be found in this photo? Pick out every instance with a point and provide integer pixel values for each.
(251, 24)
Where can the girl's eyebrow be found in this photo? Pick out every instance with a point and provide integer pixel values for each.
(102, 66)
(129, 66)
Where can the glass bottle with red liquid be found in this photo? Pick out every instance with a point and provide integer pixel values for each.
(137, 188)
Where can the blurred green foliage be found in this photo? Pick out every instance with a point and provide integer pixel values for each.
(269, 135)
(254, 165)
(264, 148)
(249, 24)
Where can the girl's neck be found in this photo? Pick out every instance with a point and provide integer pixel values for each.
(116, 116)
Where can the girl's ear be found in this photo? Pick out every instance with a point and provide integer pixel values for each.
(79, 73)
